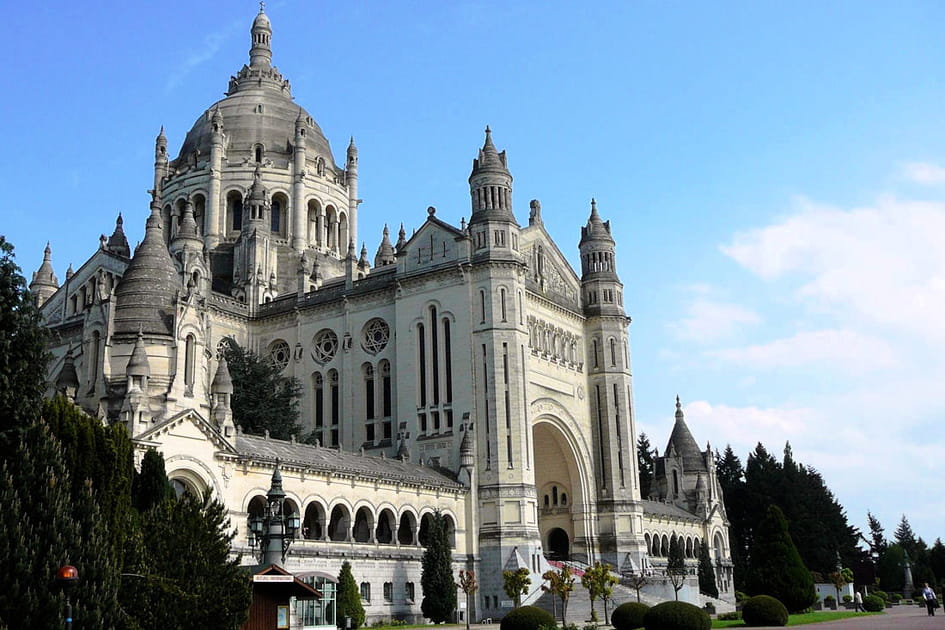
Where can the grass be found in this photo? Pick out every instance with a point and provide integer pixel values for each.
(798, 620)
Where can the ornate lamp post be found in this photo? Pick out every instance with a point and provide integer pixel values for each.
(67, 577)
(273, 531)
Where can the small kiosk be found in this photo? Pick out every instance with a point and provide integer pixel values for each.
(275, 592)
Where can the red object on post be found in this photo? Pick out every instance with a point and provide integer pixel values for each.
(67, 575)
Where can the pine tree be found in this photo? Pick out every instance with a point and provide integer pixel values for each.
(23, 355)
(645, 465)
(348, 599)
(439, 592)
(906, 538)
(877, 534)
(676, 565)
(731, 478)
(151, 487)
(707, 583)
(776, 567)
(264, 399)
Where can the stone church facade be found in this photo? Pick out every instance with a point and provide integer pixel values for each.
(466, 369)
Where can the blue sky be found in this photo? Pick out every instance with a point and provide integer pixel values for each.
(774, 173)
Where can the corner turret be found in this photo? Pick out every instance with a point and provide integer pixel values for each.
(44, 282)
(601, 287)
(492, 225)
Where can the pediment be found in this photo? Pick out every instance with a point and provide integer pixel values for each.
(549, 273)
(434, 244)
(187, 426)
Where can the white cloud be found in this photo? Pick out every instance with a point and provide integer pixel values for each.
(843, 349)
(208, 49)
(709, 320)
(923, 173)
(744, 427)
(881, 265)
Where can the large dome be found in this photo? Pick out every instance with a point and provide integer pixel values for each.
(260, 116)
(258, 111)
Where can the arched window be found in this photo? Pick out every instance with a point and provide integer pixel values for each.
(422, 364)
(434, 356)
(94, 349)
(234, 211)
(335, 400)
(200, 205)
(258, 153)
(502, 304)
(190, 355)
(613, 352)
(448, 359)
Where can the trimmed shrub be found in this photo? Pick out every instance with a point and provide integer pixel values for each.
(764, 610)
(729, 616)
(526, 618)
(628, 616)
(896, 597)
(873, 603)
(676, 616)
(884, 596)
(847, 599)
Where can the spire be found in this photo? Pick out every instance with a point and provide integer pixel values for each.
(222, 382)
(138, 364)
(385, 252)
(490, 185)
(401, 238)
(188, 225)
(44, 279)
(352, 147)
(352, 250)
(595, 228)
(216, 120)
(363, 261)
(67, 382)
(260, 55)
(161, 141)
(682, 442)
(118, 242)
(144, 299)
(69, 272)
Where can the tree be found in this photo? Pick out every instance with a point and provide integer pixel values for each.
(468, 585)
(889, 568)
(516, 584)
(439, 592)
(707, 583)
(877, 534)
(840, 578)
(599, 582)
(263, 398)
(676, 565)
(645, 464)
(560, 585)
(151, 487)
(906, 538)
(731, 476)
(937, 560)
(776, 567)
(23, 355)
(637, 581)
(348, 598)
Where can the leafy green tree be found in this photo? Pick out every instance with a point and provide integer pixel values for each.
(560, 585)
(676, 565)
(468, 585)
(599, 582)
(645, 464)
(23, 355)
(707, 583)
(264, 399)
(516, 584)
(436, 579)
(776, 567)
(637, 581)
(840, 578)
(348, 598)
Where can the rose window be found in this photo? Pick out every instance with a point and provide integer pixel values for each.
(375, 336)
(279, 354)
(325, 345)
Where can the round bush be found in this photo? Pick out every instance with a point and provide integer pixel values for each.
(526, 618)
(628, 616)
(882, 595)
(873, 603)
(764, 610)
(676, 616)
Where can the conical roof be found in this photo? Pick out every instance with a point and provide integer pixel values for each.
(385, 252)
(138, 364)
(684, 444)
(67, 375)
(118, 242)
(222, 382)
(45, 276)
(145, 295)
(595, 228)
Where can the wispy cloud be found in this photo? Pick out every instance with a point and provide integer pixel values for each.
(923, 173)
(210, 46)
(709, 320)
(846, 350)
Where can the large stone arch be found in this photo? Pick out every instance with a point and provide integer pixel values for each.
(561, 474)
(194, 472)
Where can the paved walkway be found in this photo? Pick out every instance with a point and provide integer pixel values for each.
(898, 617)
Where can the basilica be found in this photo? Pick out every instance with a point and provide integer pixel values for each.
(465, 369)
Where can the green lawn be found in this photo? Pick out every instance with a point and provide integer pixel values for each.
(799, 620)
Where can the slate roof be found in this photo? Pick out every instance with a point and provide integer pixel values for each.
(658, 508)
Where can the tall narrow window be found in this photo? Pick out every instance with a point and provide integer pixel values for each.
(435, 363)
(596, 353)
(448, 359)
(422, 362)
(508, 404)
(275, 222)
(485, 405)
(521, 308)
(335, 406)
(190, 353)
(386, 402)
(94, 348)
(368, 391)
(319, 405)
(613, 352)
(482, 305)
(502, 304)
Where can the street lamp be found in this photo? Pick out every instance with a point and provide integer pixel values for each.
(67, 577)
(272, 532)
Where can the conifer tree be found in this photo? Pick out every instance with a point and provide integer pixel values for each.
(348, 598)
(776, 567)
(151, 487)
(645, 465)
(877, 534)
(439, 592)
(707, 583)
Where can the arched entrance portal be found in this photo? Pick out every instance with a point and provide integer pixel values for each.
(558, 546)
(559, 482)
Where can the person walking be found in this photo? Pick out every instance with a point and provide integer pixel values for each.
(931, 602)
(858, 602)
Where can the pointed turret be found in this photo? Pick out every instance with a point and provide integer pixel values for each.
(385, 252)
(401, 239)
(118, 242)
(221, 391)
(160, 161)
(490, 185)
(351, 178)
(682, 442)
(260, 55)
(67, 383)
(363, 265)
(44, 282)
(144, 299)
(138, 364)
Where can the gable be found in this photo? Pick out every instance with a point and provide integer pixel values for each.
(549, 273)
(435, 243)
(187, 433)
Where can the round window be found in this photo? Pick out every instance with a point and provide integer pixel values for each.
(279, 354)
(325, 345)
(375, 336)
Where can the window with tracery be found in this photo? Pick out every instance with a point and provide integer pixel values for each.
(325, 345)
(375, 336)
(279, 354)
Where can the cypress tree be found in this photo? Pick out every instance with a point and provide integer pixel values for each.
(776, 567)
(439, 591)
(707, 583)
(151, 487)
(645, 465)
(348, 598)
